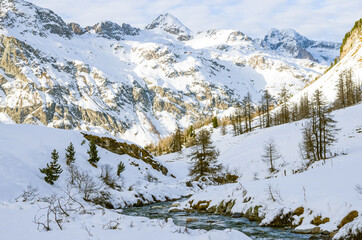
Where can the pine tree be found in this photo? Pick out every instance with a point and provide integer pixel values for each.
(204, 157)
(93, 154)
(214, 122)
(223, 127)
(176, 141)
(271, 155)
(284, 114)
(341, 92)
(319, 133)
(304, 107)
(70, 154)
(267, 102)
(191, 132)
(53, 170)
(120, 168)
(350, 92)
(247, 111)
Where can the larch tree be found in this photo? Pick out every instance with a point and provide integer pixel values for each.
(177, 140)
(319, 133)
(204, 157)
(267, 103)
(271, 155)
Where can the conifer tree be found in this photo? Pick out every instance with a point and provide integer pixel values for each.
(341, 92)
(176, 140)
(120, 168)
(284, 111)
(53, 170)
(267, 102)
(247, 111)
(93, 154)
(319, 133)
(70, 154)
(271, 154)
(223, 128)
(214, 122)
(204, 157)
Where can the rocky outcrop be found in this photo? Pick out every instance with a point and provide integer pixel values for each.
(172, 25)
(132, 150)
(288, 41)
(76, 28)
(112, 30)
(351, 38)
(37, 21)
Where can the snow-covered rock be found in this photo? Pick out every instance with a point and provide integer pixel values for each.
(291, 43)
(135, 84)
(172, 25)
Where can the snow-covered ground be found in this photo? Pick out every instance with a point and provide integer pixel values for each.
(17, 224)
(26, 148)
(326, 189)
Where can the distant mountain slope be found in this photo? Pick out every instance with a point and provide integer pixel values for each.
(350, 59)
(136, 84)
(289, 42)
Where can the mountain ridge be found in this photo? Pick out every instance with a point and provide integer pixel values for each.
(131, 83)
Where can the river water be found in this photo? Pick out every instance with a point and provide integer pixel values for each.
(209, 222)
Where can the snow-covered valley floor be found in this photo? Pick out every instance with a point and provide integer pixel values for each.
(325, 192)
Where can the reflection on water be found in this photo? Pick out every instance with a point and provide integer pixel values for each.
(208, 222)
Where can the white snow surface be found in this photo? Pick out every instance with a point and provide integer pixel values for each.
(26, 148)
(95, 225)
(326, 189)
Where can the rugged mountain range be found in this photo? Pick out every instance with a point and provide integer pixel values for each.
(139, 83)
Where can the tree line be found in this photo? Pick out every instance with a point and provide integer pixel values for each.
(53, 169)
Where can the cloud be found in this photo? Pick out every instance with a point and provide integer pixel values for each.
(316, 19)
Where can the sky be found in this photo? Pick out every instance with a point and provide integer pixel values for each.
(315, 19)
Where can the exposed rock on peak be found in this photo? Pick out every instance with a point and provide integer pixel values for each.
(172, 25)
(112, 30)
(291, 43)
(76, 28)
(24, 17)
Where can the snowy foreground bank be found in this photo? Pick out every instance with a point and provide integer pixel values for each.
(30, 208)
(323, 199)
(17, 223)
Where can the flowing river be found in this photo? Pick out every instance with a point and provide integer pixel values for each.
(209, 222)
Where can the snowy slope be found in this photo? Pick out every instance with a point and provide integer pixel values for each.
(26, 148)
(132, 83)
(327, 83)
(289, 42)
(326, 189)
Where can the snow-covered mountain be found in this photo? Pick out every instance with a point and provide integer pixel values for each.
(168, 23)
(291, 43)
(350, 59)
(133, 83)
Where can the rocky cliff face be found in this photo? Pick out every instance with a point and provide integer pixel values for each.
(132, 83)
(351, 38)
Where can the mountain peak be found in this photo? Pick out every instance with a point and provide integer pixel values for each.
(24, 17)
(111, 30)
(169, 23)
(286, 35)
